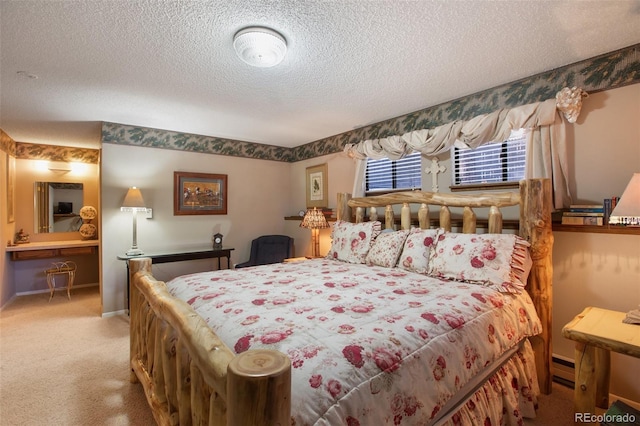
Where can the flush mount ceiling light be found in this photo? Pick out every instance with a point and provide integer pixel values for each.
(259, 46)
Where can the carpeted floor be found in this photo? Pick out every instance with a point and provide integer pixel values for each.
(62, 364)
(555, 409)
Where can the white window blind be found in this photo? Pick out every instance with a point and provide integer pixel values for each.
(389, 175)
(492, 162)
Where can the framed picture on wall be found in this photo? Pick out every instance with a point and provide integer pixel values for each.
(317, 180)
(199, 193)
(11, 187)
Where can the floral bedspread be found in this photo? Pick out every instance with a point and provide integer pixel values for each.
(368, 345)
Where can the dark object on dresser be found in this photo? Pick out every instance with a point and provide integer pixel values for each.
(269, 249)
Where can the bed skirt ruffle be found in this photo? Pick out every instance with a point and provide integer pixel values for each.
(510, 395)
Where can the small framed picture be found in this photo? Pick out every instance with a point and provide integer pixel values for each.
(199, 193)
(317, 180)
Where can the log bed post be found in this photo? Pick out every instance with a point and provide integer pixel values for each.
(134, 267)
(259, 389)
(343, 210)
(535, 227)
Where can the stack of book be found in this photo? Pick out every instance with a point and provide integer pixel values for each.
(584, 214)
(609, 205)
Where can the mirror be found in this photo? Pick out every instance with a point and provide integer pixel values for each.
(57, 206)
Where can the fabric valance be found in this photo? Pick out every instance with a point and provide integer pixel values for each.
(495, 126)
(547, 151)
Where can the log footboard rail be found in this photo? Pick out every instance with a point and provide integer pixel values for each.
(534, 199)
(190, 377)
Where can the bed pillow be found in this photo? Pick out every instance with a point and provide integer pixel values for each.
(500, 261)
(350, 242)
(386, 249)
(417, 249)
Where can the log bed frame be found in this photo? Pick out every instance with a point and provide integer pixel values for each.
(191, 377)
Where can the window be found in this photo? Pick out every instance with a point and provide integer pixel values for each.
(493, 162)
(386, 175)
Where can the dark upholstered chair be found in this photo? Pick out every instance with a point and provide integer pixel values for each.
(269, 249)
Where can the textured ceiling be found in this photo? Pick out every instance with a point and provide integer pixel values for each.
(170, 64)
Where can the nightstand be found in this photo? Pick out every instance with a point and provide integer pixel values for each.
(597, 332)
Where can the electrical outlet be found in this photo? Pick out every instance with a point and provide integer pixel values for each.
(149, 214)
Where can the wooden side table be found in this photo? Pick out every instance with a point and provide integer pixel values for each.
(597, 332)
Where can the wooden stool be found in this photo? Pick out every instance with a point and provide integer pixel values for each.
(67, 268)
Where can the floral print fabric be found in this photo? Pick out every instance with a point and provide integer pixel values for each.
(386, 249)
(508, 396)
(368, 345)
(417, 249)
(350, 242)
(501, 261)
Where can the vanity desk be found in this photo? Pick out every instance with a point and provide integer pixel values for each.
(47, 249)
(32, 261)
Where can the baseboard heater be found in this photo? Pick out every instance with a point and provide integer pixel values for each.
(565, 381)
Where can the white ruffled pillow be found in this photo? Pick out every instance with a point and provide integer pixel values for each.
(417, 249)
(500, 261)
(352, 241)
(386, 249)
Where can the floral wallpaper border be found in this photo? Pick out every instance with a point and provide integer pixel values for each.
(608, 71)
(7, 144)
(33, 151)
(122, 134)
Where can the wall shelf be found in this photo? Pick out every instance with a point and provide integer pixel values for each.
(60, 216)
(604, 229)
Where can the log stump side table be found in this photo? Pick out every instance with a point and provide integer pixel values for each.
(597, 332)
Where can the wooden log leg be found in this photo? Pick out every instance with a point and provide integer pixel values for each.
(157, 369)
(585, 379)
(199, 398)
(183, 363)
(259, 389)
(603, 374)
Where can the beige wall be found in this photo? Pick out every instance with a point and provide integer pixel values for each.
(601, 270)
(259, 192)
